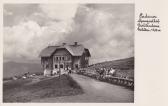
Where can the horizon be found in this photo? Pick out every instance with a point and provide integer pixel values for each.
(38, 61)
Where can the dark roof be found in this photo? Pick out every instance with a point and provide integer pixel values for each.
(75, 50)
(46, 52)
(87, 52)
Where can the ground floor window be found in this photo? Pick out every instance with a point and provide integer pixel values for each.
(61, 66)
(56, 66)
(47, 65)
(76, 66)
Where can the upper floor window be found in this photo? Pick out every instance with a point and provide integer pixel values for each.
(86, 58)
(68, 57)
(56, 58)
(63, 58)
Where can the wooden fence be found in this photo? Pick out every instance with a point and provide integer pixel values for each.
(129, 83)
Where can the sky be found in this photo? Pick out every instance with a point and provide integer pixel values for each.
(107, 30)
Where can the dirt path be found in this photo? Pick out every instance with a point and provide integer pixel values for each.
(95, 91)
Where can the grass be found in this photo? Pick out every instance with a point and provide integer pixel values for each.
(21, 91)
(123, 67)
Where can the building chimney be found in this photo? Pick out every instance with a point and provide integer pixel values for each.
(75, 43)
(63, 44)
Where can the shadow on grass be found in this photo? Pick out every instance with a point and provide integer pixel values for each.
(18, 91)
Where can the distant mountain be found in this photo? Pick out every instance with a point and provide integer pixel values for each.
(16, 68)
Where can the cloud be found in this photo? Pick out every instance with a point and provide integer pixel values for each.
(7, 12)
(106, 29)
(27, 39)
(16, 13)
(59, 11)
(104, 32)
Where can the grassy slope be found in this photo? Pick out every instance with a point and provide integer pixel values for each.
(122, 64)
(123, 67)
(13, 68)
(18, 91)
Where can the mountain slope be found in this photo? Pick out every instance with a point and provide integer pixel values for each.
(123, 67)
(122, 64)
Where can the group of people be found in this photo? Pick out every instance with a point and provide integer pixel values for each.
(69, 71)
(104, 71)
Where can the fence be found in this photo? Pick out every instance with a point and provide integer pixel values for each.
(129, 83)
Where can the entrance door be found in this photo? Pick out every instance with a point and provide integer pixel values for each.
(76, 66)
(55, 69)
(62, 68)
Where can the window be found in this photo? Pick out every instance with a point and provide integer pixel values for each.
(63, 58)
(76, 66)
(56, 66)
(61, 66)
(68, 57)
(86, 58)
(56, 58)
(59, 58)
(47, 65)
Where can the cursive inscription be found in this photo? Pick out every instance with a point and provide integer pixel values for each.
(148, 23)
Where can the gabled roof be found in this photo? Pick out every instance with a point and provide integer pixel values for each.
(87, 52)
(46, 52)
(75, 50)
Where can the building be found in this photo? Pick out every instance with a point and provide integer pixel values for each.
(65, 57)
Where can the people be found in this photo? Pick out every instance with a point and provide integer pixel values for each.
(100, 72)
(112, 71)
(69, 70)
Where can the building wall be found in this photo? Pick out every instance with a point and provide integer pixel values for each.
(62, 58)
(47, 63)
(76, 62)
(84, 61)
